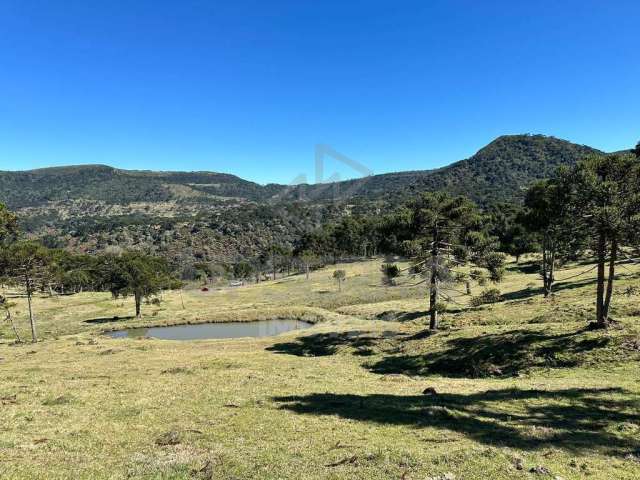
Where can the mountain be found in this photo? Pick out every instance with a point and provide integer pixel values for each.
(110, 185)
(499, 171)
(203, 216)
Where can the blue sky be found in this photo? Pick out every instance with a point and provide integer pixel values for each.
(251, 87)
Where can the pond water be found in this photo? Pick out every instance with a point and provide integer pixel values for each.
(265, 328)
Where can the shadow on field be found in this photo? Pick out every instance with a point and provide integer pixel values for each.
(500, 354)
(578, 419)
(108, 319)
(401, 316)
(524, 267)
(323, 344)
(538, 291)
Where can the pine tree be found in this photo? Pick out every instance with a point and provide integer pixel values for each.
(136, 274)
(550, 214)
(452, 235)
(606, 193)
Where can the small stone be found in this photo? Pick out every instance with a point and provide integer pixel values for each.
(429, 391)
(448, 476)
(540, 470)
(518, 463)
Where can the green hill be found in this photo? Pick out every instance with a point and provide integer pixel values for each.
(499, 171)
(204, 216)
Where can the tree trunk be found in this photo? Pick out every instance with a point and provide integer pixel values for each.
(610, 279)
(138, 299)
(433, 304)
(602, 246)
(339, 285)
(433, 287)
(468, 285)
(552, 270)
(545, 281)
(32, 320)
(306, 267)
(13, 326)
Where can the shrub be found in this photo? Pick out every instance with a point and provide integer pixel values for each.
(491, 295)
(479, 276)
(389, 272)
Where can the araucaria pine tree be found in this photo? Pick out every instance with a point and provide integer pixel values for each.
(550, 214)
(452, 236)
(606, 193)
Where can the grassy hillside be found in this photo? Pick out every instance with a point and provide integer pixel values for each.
(520, 386)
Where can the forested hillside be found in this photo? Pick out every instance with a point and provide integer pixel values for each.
(220, 216)
(113, 186)
(498, 171)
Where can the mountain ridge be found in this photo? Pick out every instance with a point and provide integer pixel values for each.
(499, 170)
(190, 217)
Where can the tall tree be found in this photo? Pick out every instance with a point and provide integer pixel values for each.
(8, 223)
(452, 234)
(518, 241)
(636, 151)
(136, 274)
(339, 276)
(308, 259)
(242, 270)
(5, 306)
(27, 264)
(8, 228)
(71, 273)
(607, 195)
(551, 215)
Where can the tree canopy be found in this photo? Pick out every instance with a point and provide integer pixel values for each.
(450, 233)
(134, 273)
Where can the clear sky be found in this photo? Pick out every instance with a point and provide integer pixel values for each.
(251, 87)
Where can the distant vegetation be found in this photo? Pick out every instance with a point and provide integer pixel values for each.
(589, 208)
(196, 217)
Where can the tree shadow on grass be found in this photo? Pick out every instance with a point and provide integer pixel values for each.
(524, 267)
(538, 291)
(501, 354)
(401, 316)
(323, 344)
(578, 419)
(109, 319)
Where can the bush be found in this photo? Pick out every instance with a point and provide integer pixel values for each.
(488, 296)
(389, 272)
(479, 276)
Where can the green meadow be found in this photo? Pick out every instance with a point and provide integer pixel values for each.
(517, 389)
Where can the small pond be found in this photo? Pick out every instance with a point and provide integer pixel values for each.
(264, 328)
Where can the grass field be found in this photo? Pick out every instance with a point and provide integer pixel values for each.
(522, 388)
